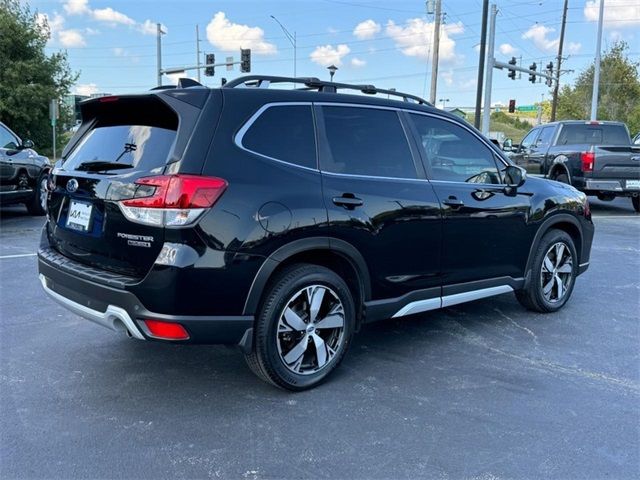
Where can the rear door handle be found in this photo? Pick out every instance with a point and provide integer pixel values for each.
(348, 201)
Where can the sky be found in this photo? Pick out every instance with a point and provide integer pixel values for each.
(112, 44)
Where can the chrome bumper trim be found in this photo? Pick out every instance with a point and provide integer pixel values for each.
(106, 319)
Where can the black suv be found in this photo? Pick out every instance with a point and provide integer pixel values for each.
(281, 220)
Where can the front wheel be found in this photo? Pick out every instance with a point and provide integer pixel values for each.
(37, 205)
(303, 329)
(553, 274)
(636, 203)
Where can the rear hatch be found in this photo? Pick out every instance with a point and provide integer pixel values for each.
(121, 140)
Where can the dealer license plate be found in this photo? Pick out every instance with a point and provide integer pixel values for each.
(79, 217)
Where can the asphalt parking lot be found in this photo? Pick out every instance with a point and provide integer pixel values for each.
(484, 390)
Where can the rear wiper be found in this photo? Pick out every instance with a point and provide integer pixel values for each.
(100, 165)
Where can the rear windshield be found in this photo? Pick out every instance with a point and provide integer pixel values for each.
(141, 146)
(577, 134)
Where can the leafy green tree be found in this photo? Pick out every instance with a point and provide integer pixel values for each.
(29, 78)
(619, 94)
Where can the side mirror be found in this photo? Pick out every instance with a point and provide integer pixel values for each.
(514, 176)
(507, 145)
(26, 144)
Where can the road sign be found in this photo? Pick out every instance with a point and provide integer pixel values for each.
(527, 108)
(54, 113)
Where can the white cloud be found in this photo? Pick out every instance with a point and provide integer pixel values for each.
(329, 55)
(55, 22)
(358, 62)
(120, 52)
(85, 89)
(112, 17)
(367, 29)
(77, 7)
(447, 76)
(507, 49)
(574, 47)
(538, 34)
(416, 36)
(229, 36)
(617, 13)
(71, 38)
(150, 28)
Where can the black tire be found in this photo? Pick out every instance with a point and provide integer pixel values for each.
(37, 205)
(533, 297)
(562, 178)
(636, 203)
(268, 359)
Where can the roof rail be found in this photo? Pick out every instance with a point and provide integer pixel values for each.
(312, 83)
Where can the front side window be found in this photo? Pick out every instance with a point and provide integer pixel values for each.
(284, 132)
(366, 141)
(7, 140)
(453, 153)
(528, 140)
(544, 139)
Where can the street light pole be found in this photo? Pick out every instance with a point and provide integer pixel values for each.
(293, 41)
(596, 72)
(332, 71)
(159, 34)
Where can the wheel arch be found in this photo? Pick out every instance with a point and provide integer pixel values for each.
(335, 254)
(560, 221)
(559, 165)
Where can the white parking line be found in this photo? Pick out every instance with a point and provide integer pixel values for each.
(20, 255)
(615, 216)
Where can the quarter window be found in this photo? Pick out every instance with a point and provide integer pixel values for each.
(453, 153)
(7, 140)
(284, 132)
(366, 141)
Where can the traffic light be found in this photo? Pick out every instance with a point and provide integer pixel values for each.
(210, 59)
(549, 82)
(532, 76)
(223, 82)
(245, 60)
(512, 73)
(512, 106)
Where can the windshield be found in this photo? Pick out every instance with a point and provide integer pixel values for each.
(140, 146)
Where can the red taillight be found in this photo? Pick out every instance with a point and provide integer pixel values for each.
(109, 98)
(172, 200)
(587, 160)
(166, 330)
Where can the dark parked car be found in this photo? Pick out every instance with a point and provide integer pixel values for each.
(23, 173)
(595, 157)
(283, 220)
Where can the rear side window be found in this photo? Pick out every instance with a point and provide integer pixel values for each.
(284, 132)
(143, 147)
(366, 141)
(580, 134)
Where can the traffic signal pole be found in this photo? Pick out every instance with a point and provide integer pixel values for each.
(482, 55)
(554, 101)
(486, 117)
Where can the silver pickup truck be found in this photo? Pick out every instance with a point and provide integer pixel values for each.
(597, 158)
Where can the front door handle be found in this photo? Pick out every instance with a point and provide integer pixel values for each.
(348, 201)
(453, 202)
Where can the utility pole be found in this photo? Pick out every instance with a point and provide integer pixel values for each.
(436, 48)
(159, 34)
(554, 101)
(483, 52)
(596, 72)
(486, 117)
(198, 51)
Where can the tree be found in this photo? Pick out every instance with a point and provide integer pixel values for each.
(619, 94)
(29, 78)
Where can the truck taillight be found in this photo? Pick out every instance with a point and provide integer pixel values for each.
(172, 200)
(587, 159)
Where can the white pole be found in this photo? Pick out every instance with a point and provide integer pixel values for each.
(198, 51)
(159, 52)
(436, 51)
(596, 72)
(486, 116)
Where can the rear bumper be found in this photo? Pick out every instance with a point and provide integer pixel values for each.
(119, 309)
(620, 187)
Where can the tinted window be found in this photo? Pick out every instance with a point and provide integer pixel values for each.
(528, 140)
(141, 146)
(453, 153)
(7, 140)
(579, 134)
(284, 133)
(366, 141)
(545, 137)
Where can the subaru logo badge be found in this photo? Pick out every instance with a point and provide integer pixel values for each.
(72, 185)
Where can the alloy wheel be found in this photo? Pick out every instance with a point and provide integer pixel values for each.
(43, 193)
(310, 330)
(557, 272)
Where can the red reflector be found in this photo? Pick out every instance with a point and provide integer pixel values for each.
(587, 160)
(167, 330)
(108, 99)
(179, 191)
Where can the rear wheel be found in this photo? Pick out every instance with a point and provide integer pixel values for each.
(562, 178)
(37, 205)
(636, 203)
(553, 274)
(304, 327)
